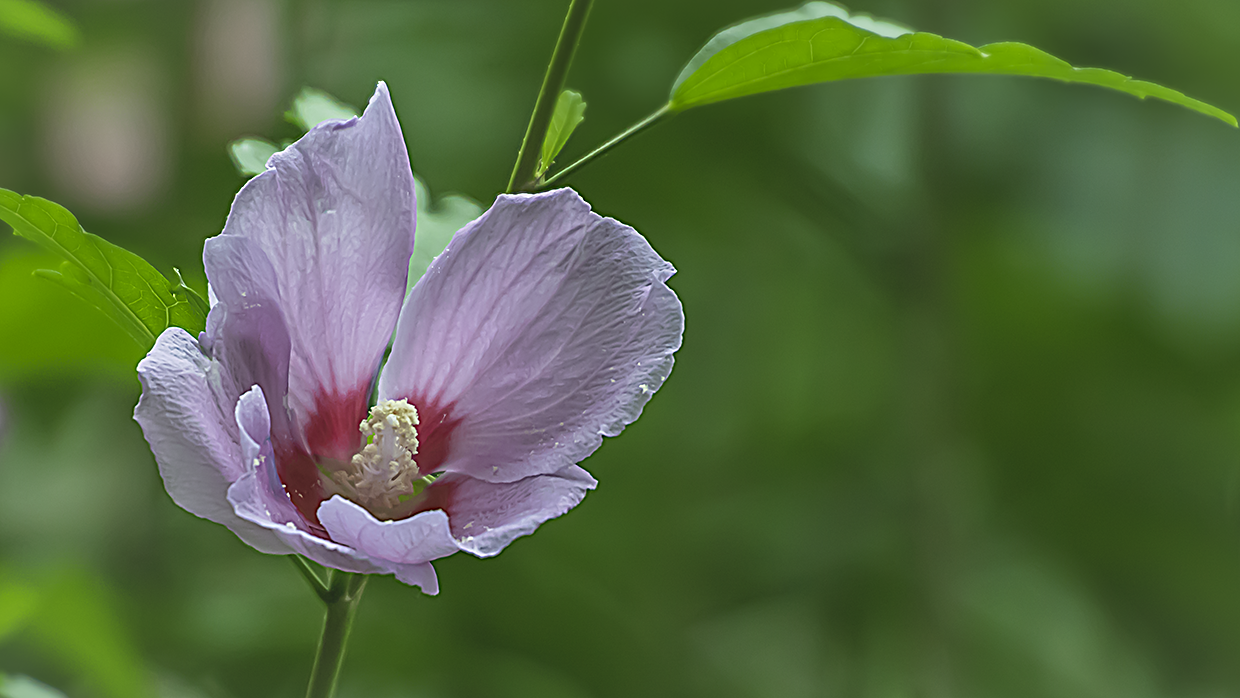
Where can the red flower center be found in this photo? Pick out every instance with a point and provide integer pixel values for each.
(331, 438)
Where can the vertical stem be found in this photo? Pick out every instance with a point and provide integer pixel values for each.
(343, 595)
(553, 84)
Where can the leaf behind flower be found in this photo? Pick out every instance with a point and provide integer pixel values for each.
(35, 21)
(311, 107)
(438, 221)
(118, 282)
(250, 155)
(25, 687)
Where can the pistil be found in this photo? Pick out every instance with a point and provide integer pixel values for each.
(384, 470)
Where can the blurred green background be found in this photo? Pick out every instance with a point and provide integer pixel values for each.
(957, 412)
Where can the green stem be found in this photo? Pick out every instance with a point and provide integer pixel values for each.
(628, 133)
(342, 597)
(312, 577)
(552, 86)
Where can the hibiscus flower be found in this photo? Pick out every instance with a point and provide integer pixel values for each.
(542, 328)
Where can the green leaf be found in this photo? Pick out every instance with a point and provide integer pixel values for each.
(312, 107)
(250, 155)
(821, 42)
(56, 350)
(438, 220)
(17, 604)
(570, 109)
(34, 21)
(116, 281)
(26, 687)
(73, 619)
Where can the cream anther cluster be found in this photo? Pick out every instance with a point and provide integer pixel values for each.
(384, 470)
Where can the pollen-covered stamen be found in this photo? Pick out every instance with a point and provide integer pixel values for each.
(384, 469)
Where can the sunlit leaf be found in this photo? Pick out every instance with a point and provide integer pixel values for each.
(17, 603)
(78, 622)
(120, 283)
(73, 619)
(26, 687)
(250, 155)
(312, 107)
(56, 350)
(570, 109)
(37, 22)
(438, 221)
(821, 42)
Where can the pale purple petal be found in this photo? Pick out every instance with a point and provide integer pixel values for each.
(459, 513)
(334, 215)
(422, 576)
(246, 332)
(248, 497)
(540, 329)
(192, 433)
(254, 422)
(486, 516)
(417, 539)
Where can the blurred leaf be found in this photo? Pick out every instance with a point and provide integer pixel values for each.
(821, 42)
(437, 222)
(26, 687)
(37, 22)
(60, 348)
(312, 107)
(116, 281)
(77, 621)
(72, 618)
(1039, 623)
(570, 109)
(17, 603)
(250, 155)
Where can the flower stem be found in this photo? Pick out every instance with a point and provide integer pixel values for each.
(344, 592)
(312, 577)
(553, 84)
(624, 136)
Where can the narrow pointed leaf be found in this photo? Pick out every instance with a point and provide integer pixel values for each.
(570, 109)
(250, 155)
(118, 282)
(35, 21)
(821, 42)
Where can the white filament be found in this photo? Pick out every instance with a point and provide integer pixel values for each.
(384, 469)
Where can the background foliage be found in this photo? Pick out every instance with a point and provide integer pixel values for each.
(957, 413)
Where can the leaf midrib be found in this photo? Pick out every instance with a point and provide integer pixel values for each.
(114, 299)
(945, 54)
